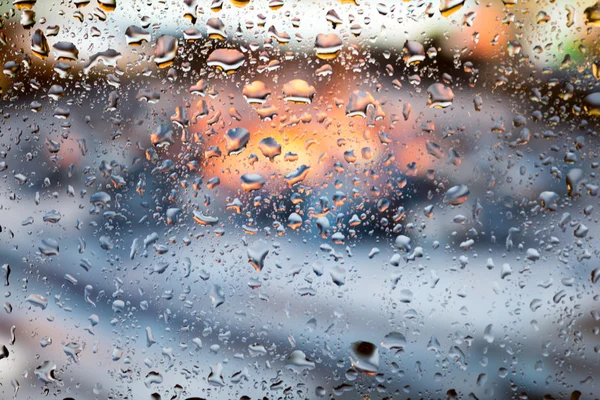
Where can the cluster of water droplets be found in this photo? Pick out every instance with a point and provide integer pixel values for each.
(278, 199)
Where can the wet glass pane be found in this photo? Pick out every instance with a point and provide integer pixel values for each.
(279, 199)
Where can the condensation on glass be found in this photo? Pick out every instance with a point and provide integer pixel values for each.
(277, 199)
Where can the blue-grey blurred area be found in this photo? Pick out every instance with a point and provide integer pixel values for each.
(437, 247)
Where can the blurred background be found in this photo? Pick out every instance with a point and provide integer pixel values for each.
(150, 251)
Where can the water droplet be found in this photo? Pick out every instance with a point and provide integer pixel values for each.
(165, 51)
(364, 356)
(226, 60)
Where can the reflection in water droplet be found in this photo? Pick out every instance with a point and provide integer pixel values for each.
(364, 356)
(24, 4)
(73, 350)
(204, 219)
(153, 377)
(449, 7)
(46, 372)
(575, 179)
(49, 247)
(215, 29)
(456, 195)
(298, 362)
(39, 44)
(256, 92)
(38, 301)
(236, 140)
(165, 51)
(134, 35)
(217, 296)
(108, 58)
(414, 52)
(362, 104)
(299, 91)
(591, 103)
(65, 51)
(394, 341)
(297, 175)
(226, 60)
(328, 46)
(440, 96)
(215, 377)
(257, 253)
(269, 148)
(252, 182)
(591, 15)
